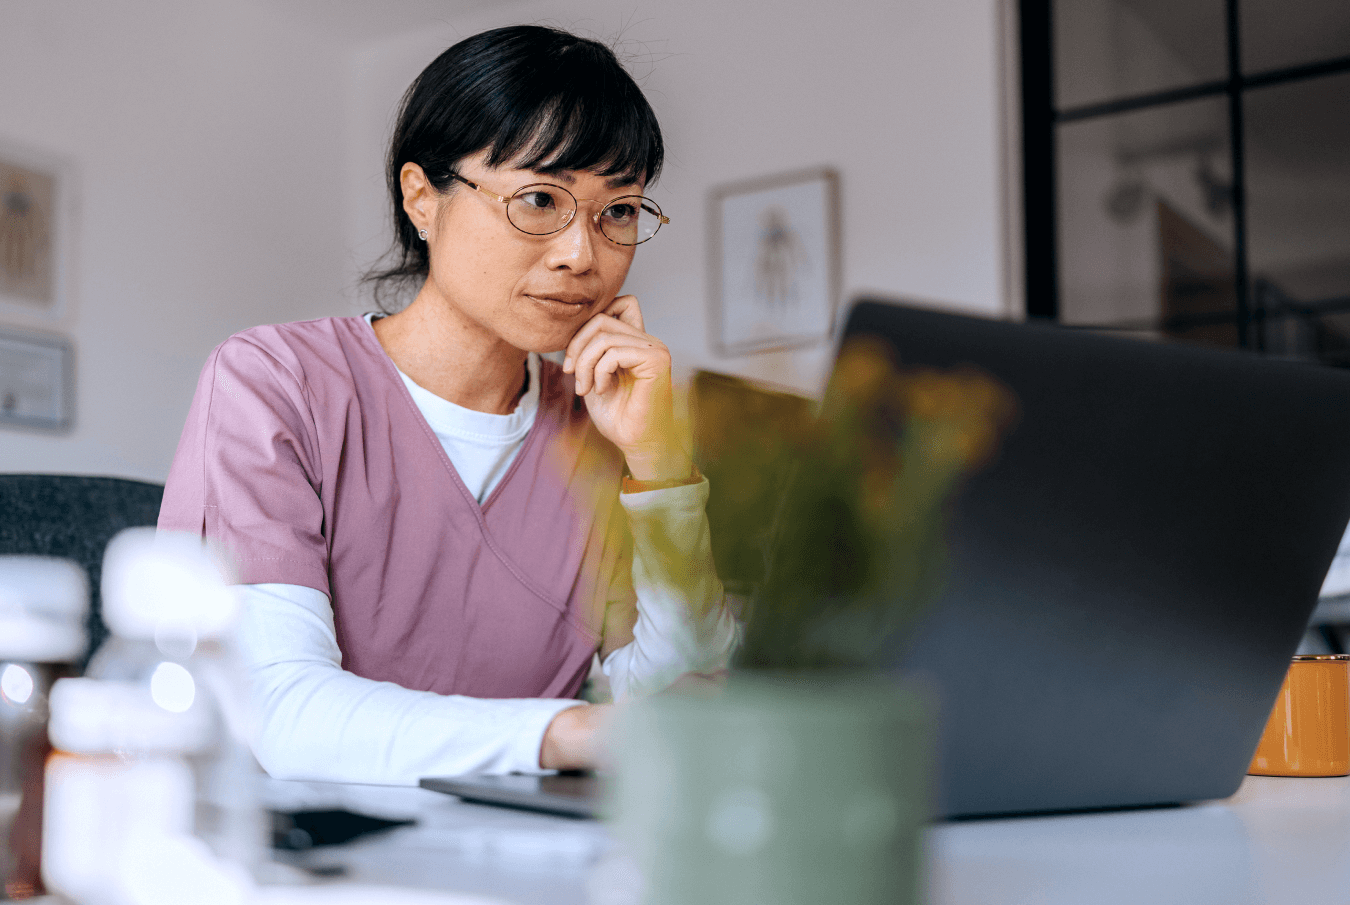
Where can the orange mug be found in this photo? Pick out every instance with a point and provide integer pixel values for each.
(1308, 733)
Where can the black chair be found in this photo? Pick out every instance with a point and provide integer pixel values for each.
(73, 517)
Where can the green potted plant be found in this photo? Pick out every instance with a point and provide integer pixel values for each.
(805, 779)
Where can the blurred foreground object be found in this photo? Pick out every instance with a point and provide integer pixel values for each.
(43, 602)
(857, 544)
(806, 779)
(150, 791)
(744, 437)
(783, 790)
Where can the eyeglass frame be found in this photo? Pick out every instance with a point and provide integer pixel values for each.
(661, 219)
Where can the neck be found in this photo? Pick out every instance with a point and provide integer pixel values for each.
(455, 360)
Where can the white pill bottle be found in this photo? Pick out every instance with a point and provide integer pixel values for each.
(150, 775)
(43, 604)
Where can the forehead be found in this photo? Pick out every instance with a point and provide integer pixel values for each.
(561, 175)
(570, 178)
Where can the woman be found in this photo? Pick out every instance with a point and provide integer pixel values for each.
(427, 515)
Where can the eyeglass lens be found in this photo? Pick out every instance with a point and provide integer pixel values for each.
(543, 209)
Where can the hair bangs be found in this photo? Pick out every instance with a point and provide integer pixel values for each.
(584, 124)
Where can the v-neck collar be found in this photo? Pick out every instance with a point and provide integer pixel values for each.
(527, 451)
(393, 374)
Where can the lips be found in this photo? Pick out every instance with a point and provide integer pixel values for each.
(563, 298)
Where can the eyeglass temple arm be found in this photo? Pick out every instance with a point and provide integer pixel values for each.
(478, 188)
(659, 216)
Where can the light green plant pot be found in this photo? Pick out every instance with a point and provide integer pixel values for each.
(785, 788)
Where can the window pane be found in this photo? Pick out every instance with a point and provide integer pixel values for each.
(1298, 214)
(1110, 49)
(1145, 222)
(1276, 34)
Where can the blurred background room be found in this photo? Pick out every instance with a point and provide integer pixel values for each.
(221, 166)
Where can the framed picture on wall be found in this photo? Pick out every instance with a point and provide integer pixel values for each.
(37, 383)
(775, 262)
(35, 228)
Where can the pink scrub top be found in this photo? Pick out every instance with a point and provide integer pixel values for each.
(306, 459)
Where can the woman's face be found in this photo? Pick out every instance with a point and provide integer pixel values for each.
(531, 292)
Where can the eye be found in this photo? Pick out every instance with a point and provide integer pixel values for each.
(621, 212)
(537, 200)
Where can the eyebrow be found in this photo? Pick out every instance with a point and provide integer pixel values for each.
(613, 182)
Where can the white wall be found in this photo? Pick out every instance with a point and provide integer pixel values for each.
(204, 138)
(902, 98)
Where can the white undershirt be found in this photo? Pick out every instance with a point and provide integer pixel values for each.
(318, 722)
(480, 445)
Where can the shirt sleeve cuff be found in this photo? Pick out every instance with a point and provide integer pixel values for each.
(686, 499)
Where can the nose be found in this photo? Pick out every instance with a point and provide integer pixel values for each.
(573, 247)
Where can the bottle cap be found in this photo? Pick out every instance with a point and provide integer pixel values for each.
(43, 602)
(102, 716)
(159, 584)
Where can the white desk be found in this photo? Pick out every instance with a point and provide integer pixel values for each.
(511, 856)
(1276, 841)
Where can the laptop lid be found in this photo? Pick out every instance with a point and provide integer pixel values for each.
(1128, 580)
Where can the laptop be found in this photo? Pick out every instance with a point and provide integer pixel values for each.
(1126, 582)
(570, 794)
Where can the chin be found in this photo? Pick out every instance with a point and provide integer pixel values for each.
(544, 344)
(552, 336)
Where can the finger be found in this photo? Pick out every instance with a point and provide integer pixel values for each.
(625, 308)
(616, 358)
(587, 358)
(641, 350)
(601, 338)
(599, 323)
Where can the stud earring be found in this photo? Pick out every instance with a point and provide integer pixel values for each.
(422, 234)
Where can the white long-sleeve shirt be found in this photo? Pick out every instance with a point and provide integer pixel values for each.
(319, 722)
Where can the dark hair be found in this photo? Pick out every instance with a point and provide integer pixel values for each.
(532, 96)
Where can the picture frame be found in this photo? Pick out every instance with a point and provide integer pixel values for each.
(775, 262)
(37, 380)
(36, 233)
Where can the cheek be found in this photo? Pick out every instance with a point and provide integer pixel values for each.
(484, 264)
(616, 270)
(474, 251)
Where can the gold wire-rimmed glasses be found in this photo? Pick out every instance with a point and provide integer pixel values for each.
(542, 208)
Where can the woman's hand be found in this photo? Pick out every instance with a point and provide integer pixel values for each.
(572, 740)
(624, 376)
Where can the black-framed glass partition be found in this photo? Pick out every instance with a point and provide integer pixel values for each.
(1187, 169)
